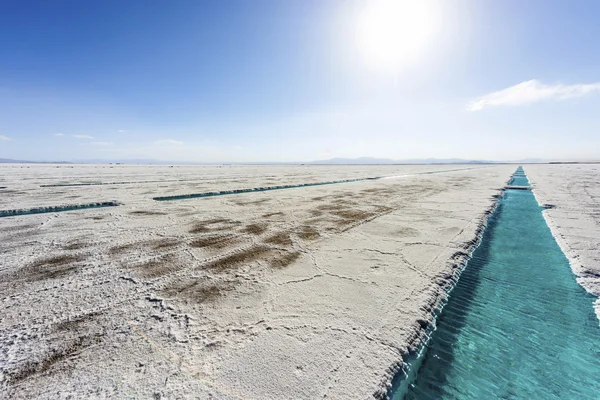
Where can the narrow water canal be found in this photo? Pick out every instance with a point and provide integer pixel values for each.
(55, 209)
(517, 325)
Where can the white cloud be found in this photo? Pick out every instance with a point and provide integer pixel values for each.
(122, 131)
(101, 143)
(83, 136)
(530, 92)
(59, 134)
(168, 142)
(4, 138)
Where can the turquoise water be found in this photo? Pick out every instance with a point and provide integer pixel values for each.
(42, 210)
(517, 325)
(519, 180)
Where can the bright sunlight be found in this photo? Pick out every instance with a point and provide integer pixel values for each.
(394, 34)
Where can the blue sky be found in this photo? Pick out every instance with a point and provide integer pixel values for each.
(299, 80)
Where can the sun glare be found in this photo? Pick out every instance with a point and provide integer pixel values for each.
(394, 34)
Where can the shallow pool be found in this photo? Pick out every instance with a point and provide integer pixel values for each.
(519, 180)
(517, 324)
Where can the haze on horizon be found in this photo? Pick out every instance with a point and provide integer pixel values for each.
(307, 80)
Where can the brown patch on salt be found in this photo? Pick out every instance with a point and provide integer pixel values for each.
(344, 195)
(354, 215)
(248, 203)
(315, 213)
(281, 238)
(330, 207)
(284, 259)
(70, 337)
(267, 215)
(166, 243)
(147, 213)
(211, 225)
(255, 229)
(344, 202)
(237, 259)
(383, 209)
(406, 231)
(76, 323)
(308, 233)
(49, 267)
(158, 266)
(215, 242)
(18, 228)
(121, 249)
(75, 245)
(196, 290)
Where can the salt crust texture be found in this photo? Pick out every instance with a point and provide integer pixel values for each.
(315, 292)
(572, 194)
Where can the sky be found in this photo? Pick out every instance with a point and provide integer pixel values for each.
(299, 80)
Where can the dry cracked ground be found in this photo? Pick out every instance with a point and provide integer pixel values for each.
(302, 293)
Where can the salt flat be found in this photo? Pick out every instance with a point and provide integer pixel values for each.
(313, 292)
(573, 192)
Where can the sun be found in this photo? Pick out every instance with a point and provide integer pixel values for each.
(392, 35)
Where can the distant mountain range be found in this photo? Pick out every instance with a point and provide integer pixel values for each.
(332, 161)
(11, 161)
(372, 160)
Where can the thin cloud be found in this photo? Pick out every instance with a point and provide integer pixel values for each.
(168, 142)
(59, 134)
(102, 143)
(122, 131)
(83, 136)
(530, 92)
(6, 139)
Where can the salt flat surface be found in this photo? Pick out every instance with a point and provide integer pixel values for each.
(304, 293)
(574, 191)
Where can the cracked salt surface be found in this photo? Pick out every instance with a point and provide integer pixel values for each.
(305, 293)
